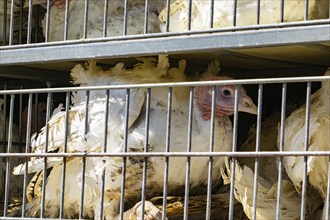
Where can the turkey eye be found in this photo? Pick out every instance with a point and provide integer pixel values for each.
(226, 92)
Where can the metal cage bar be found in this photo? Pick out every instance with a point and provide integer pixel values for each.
(256, 163)
(29, 30)
(233, 161)
(105, 143)
(211, 149)
(304, 185)
(281, 148)
(175, 84)
(125, 18)
(44, 181)
(66, 20)
(10, 130)
(146, 145)
(47, 21)
(11, 26)
(67, 104)
(190, 118)
(85, 19)
(122, 193)
(105, 18)
(27, 150)
(174, 154)
(83, 165)
(167, 149)
(146, 14)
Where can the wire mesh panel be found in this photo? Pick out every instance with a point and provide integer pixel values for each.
(28, 21)
(156, 145)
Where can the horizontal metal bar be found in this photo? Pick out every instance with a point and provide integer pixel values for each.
(172, 34)
(83, 49)
(177, 84)
(173, 154)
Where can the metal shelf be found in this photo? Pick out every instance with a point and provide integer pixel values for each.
(159, 43)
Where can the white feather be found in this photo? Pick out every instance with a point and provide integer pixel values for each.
(115, 19)
(319, 140)
(246, 13)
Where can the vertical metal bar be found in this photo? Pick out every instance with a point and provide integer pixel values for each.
(66, 20)
(44, 180)
(327, 199)
(146, 143)
(211, 13)
(27, 150)
(258, 11)
(122, 194)
(4, 123)
(190, 120)
(256, 164)
(11, 26)
(4, 22)
(282, 11)
(304, 186)
(146, 13)
(233, 163)
(189, 14)
(47, 21)
(85, 19)
(67, 106)
(235, 13)
(209, 178)
(306, 10)
(83, 168)
(281, 148)
(125, 18)
(168, 5)
(20, 127)
(20, 21)
(4, 138)
(8, 160)
(105, 143)
(168, 141)
(105, 17)
(36, 110)
(29, 30)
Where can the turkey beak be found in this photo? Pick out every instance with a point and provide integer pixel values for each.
(248, 106)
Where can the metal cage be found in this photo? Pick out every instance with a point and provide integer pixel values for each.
(277, 50)
(126, 153)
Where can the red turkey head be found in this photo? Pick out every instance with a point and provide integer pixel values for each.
(224, 100)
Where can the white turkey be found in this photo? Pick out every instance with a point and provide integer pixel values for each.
(246, 13)
(148, 70)
(115, 18)
(267, 178)
(319, 140)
